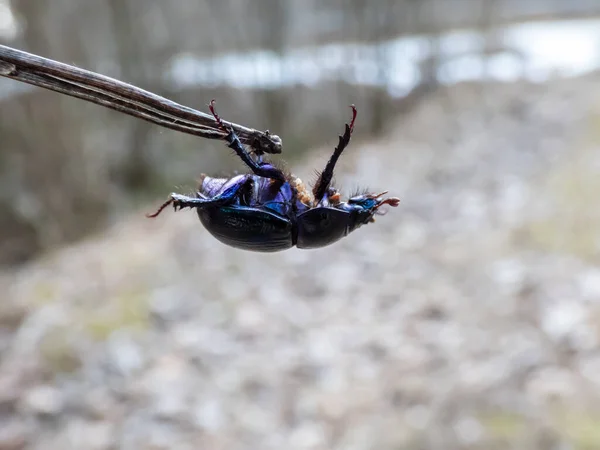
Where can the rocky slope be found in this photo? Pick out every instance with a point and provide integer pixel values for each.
(469, 317)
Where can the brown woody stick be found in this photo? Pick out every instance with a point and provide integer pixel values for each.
(125, 98)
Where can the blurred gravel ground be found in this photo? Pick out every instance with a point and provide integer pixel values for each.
(469, 317)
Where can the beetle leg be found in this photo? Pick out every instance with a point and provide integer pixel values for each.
(226, 196)
(260, 168)
(325, 177)
(180, 201)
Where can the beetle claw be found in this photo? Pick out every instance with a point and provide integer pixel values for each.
(178, 205)
(353, 118)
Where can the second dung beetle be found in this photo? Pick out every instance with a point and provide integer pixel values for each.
(270, 210)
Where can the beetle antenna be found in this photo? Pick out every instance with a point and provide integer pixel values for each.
(160, 209)
(324, 180)
(392, 201)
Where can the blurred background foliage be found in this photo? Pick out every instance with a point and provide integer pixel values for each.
(69, 168)
(469, 317)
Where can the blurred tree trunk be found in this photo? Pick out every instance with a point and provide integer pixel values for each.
(386, 22)
(39, 33)
(135, 172)
(273, 24)
(374, 23)
(45, 142)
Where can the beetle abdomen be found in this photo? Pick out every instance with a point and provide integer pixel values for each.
(248, 228)
(321, 226)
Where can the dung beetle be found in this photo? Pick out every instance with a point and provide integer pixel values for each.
(271, 210)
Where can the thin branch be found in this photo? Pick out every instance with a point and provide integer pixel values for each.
(125, 98)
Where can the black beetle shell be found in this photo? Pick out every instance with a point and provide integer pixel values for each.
(248, 228)
(321, 226)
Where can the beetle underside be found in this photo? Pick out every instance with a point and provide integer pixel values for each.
(269, 210)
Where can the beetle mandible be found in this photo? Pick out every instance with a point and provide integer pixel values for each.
(270, 210)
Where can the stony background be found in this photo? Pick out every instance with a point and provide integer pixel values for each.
(469, 317)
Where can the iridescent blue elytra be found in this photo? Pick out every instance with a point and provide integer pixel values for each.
(269, 210)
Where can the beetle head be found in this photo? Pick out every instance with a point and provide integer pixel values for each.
(363, 207)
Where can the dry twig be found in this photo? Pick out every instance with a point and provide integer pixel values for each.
(125, 98)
